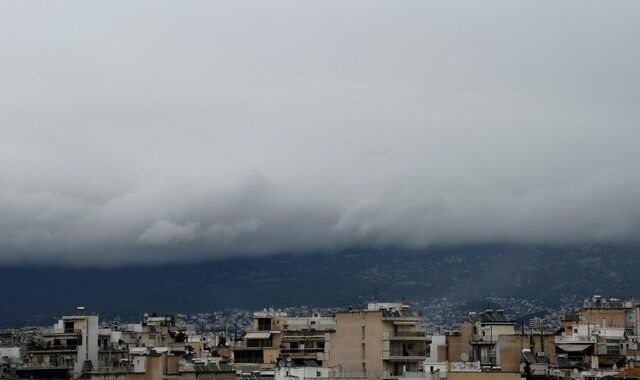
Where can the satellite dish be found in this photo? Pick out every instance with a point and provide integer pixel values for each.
(464, 357)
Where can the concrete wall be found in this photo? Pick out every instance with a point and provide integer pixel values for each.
(509, 349)
(436, 348)
(610, 317)
(493, 332)
(155, 366)
(457, 344)
(350, 350)
(88, 350)
(270, 356)
(10, 352)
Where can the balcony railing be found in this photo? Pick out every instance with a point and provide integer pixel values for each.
(576, 339)
(409, 334)
(398, 354)
(49, 348)
(300, 349)
(409, 374)
(252, 345)
(489, 360)
(63, 332)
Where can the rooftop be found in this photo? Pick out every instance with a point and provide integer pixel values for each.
(494, 316)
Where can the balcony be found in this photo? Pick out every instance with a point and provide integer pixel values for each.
(251, 345)
(399, 355)
(410, 335)
(44, 349)
(65, 332)
(415, 336)
(302, 338)
(576, 339)
(409, 374)
(488, 361)
(305, 349)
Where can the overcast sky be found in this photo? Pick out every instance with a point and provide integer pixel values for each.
(151, 130)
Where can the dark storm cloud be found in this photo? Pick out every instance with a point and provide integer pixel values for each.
(135, 131)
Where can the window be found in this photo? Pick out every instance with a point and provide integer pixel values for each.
(264, 324)
(363, 333)
(68, 327)
(259, 343)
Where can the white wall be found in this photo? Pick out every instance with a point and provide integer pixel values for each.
(10, 352)
(436, 340)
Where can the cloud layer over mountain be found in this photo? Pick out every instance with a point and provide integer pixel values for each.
(152, 131)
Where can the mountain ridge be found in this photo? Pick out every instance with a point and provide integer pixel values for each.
(37, 294)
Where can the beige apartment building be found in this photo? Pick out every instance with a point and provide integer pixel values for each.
(384, 341)
(260, 347)
(274, 336)
(489, 339)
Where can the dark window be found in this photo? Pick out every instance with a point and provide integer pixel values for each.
(259, 343)
(68, 327)
(253, 356)
(264, 324)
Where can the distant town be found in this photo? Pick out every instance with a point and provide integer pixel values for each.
(597, 339)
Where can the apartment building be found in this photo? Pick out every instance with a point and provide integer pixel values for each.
(489, 342)
(162, 363)
(306, 340)
(598, 336)
(383, 341)
(71, 346)
(260, 346)
(274, 336)
(488, 327)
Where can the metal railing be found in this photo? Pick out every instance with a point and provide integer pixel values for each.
(576, 339)
(41, 348)
(403, 334)
(408, 353)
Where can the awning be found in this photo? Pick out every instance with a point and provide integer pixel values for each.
(573, 347)
(257, 335)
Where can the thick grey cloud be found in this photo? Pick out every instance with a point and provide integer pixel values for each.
(146, 131)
